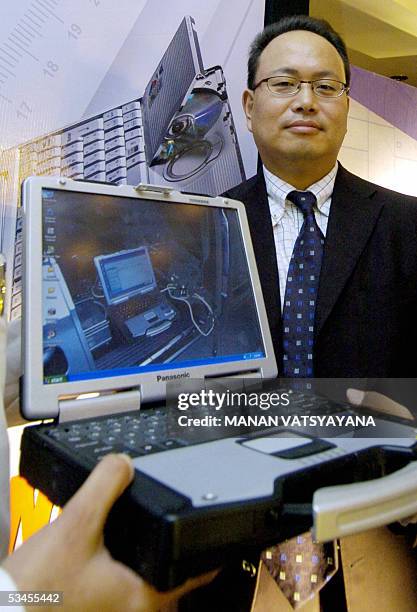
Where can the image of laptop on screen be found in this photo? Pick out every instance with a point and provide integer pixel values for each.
(131, 292)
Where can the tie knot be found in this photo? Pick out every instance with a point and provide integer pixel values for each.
(304, 200)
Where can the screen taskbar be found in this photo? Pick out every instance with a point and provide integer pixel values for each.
(58, 378)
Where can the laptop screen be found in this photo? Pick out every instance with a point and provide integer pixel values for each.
(132, 284)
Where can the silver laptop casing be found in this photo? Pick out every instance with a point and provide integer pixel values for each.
(43, 401)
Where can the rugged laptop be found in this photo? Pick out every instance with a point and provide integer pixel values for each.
(129, 292)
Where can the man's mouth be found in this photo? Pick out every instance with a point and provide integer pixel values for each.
(303, 127)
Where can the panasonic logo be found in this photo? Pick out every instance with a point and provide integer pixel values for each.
(161, 378)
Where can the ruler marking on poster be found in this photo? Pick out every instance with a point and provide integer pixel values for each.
(8, 54)
(19, 43)
(35, 11)
(22, 32)
(7, 69)
(38, 8)
(34, 16)
(28, 49)
(31, 25)
(22, 29)
(15, 35)
(15, 53)
(22, 49)
(48, 10)
(6, 61)
(13, 39)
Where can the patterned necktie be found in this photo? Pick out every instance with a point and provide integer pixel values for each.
(300, 567)
(301, 291)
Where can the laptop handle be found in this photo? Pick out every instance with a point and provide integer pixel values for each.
(346, 509)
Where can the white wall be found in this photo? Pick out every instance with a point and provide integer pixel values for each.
(377, 151)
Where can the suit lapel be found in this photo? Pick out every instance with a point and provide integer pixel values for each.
(259, 217)
(353, 214)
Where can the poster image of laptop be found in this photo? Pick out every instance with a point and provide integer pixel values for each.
(154, 284)
(200, 135)
(179, 133)
(117, 145)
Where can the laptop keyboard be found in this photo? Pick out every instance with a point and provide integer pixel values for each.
(157, 430)
(104, 148)
(136, 305)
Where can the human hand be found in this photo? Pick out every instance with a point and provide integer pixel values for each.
(379, 402)
(384, 404)
(69, 555)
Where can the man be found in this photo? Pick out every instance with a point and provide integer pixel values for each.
(296, 107)
(362, 264)
(69, 555)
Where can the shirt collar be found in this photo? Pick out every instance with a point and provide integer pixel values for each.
(277, 190)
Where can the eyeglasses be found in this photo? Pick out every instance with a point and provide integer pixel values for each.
(289, 86)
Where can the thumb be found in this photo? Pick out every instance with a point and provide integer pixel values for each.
(94, 500)
(379, 402)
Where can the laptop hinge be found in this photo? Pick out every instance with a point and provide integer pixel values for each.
(90, 405)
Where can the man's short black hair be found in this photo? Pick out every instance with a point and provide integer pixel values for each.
(289, 24)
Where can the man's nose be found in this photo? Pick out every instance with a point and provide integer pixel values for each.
(305, 98)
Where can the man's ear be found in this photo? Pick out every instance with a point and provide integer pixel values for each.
(247, 103)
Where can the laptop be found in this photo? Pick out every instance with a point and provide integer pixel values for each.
(135, 303)
(179, 133)
(204, 491)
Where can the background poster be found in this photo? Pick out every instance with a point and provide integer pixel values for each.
(69, 68)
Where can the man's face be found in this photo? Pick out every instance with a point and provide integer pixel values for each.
(303, 128)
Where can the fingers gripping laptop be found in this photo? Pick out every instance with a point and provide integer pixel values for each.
(128, 290)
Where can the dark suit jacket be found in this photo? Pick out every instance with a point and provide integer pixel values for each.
(366, 317)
